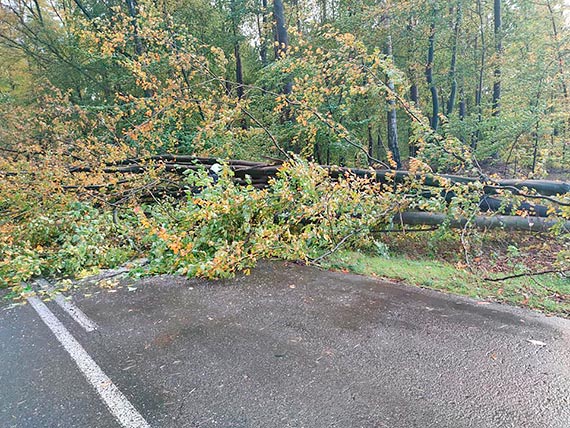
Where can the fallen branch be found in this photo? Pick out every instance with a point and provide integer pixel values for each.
(519, 275)
(336, 247)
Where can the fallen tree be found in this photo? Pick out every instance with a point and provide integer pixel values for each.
(517, 212)
(181, 163)
(241, 168)
(186, 223)
(259, 174)
(529, 224)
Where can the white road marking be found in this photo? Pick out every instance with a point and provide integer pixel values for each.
(117, 403)
(74, 312)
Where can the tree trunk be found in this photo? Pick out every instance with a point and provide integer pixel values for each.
(370, 146)
(139, 48)
(462, 112)
(133, 13)
(237, 54)
(479, 90)
(453, 65)
(498, 54)
(561, 68)
(429, 77)
(415, 99)
(529, 224)
(282, 38)
(391, 115)
(239, 71)
(263, 33)
(380, 144)
(535, 148)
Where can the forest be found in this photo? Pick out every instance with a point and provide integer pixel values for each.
(206, 135)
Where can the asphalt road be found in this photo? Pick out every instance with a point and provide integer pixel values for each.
(288, 346)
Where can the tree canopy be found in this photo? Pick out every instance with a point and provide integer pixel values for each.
(354, 83)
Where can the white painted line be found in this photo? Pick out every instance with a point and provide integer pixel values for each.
(74, 312)
(117, 403)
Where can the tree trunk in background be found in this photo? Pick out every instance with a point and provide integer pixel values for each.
(139, 48)
(453, 65)
(370, 146)
(479, 90)
(462, 112)
(414, 95)
(391, 115)
(498, 54)
(380, 145)
(415, 99)
(237, 54)
(281, 36)
(83, 9)
(561, 67)
(429, 76)
(133, 13)
(239, 70)
(535, 147)
(262, 29)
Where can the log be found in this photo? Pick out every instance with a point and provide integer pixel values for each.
(184, 159)
(261, 172)
(528, 224)
(543, 187)
(181, 163)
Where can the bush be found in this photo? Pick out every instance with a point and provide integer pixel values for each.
(227, 228)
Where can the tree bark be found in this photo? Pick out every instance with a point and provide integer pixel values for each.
(391, 115)
(453, 65)
(529, 224)
(498, 54)
(133, 13)
(370, 146)
(263, 33)
(415, 99)
(282, 38)
(139, 47)
(237, 54)
(561, 68)
(479, 90)
(434, 120)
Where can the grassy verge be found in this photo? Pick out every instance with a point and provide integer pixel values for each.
(549, 293)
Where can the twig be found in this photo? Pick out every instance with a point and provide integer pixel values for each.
(464, 242)
(270, 135)
(336, 247)
(518, 275)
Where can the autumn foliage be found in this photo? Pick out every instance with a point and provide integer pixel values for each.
(95, 87)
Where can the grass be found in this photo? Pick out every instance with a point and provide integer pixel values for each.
(548, 293)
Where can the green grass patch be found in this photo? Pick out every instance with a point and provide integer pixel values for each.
(549, 293)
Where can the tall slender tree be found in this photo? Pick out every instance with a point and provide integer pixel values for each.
(392, 118)
(453, 65)
(429, 72)
(281, 37)
(498, 30)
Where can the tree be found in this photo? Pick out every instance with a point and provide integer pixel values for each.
(498, 54)
(391, 115)
(281, 37)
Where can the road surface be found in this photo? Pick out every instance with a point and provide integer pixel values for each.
(287, 346)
